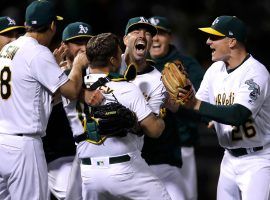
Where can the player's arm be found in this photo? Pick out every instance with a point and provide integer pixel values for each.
(235, 114)
(152, 125)
(71, 89)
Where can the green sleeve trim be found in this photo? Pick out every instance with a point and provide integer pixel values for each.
(235, 114)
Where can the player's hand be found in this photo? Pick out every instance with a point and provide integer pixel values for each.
(81, 60)
(92, 98)
(60, 53)
(171, 104)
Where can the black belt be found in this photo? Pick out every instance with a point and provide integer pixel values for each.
(112, 160)
(243, 151)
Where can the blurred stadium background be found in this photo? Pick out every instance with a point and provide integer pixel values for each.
(186, 17)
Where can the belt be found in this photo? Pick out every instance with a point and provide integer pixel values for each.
(112, 160)
(243, 151)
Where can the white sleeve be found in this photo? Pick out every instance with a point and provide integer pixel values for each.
(203, 92)
(45, 70)
(73, 116)
(253, 90)
(157, 98)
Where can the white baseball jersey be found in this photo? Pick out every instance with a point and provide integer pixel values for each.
(131, 97)
(247, 85)
(150, 85)
(27, 85)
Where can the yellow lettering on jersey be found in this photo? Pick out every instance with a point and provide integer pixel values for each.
(9, 52)
(224, 99)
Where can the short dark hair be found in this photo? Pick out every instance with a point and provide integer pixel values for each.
(39, 29)
(101, 47)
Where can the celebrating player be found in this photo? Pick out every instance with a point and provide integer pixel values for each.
(112, 167)
(59, 145)
(29, 78)
(235, 94)
(163, 154)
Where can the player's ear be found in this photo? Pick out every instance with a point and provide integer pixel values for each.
(125, 39)
(232, 42)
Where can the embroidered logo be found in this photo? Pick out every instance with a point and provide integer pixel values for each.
(255, 90)
(83, 29)
(154, 21)
(142, 19)
(11, 21)
(215, 21)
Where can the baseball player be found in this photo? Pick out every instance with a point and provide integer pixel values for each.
(235, 94)
(181, 183)
(9, 30)
(59, 145)
(113, 168)
(29, 78)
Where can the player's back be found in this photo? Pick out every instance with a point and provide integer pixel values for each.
(27, 82)
(130, 96)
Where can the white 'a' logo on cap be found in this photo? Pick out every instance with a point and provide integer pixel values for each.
(215, 21)
(11, 21)
(83, 29)
(142, 19)
(154, 21)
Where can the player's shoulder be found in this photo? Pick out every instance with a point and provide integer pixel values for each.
(30, 48)
(256, 65)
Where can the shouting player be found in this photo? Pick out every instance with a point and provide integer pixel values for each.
(235, 94)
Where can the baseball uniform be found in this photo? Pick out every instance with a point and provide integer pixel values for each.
(28, 81)
(124, 179)
(245, 166)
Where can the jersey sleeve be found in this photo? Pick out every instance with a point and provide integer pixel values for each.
(253, 90)
(203, 91)
(157, 98)
(45, 70)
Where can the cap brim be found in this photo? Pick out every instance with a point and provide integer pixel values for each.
(152, 29)
(211, 31)
(59, 18)
(12, 28)
(78, 36)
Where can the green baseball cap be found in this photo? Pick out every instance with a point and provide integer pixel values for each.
(229, 26)
(140, 22)
(77, 30)
(161, 23)
(8, 24)
(40, 13)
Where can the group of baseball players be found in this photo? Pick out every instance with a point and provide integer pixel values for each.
(51, 148)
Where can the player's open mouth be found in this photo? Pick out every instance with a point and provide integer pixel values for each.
(140, 47)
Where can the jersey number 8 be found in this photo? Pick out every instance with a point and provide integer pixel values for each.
(5, 77)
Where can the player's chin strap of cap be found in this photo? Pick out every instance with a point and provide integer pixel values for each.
(129, 75)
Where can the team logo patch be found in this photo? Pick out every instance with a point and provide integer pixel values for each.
(255, 90)
(154, 21)
(11, 21)
(83, 29)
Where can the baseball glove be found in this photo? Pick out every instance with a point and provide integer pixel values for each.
(113, 119)
(174, 78)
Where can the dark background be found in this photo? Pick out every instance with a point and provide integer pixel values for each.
(186, 17)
